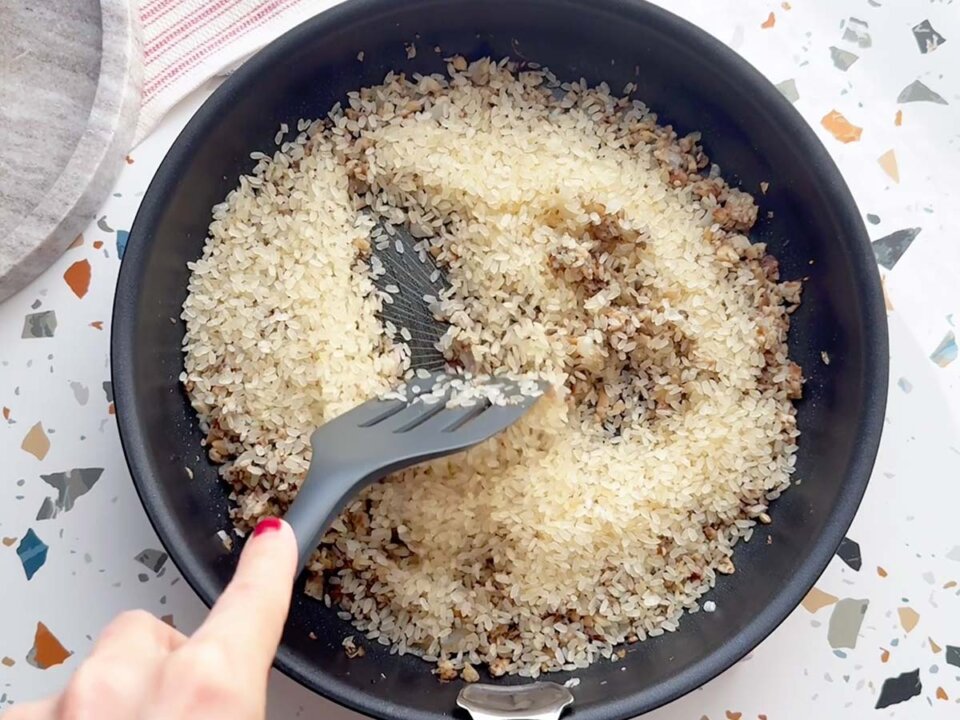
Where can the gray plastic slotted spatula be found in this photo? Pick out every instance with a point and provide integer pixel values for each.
(385, 435)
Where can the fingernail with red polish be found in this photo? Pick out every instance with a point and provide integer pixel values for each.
(266, 525)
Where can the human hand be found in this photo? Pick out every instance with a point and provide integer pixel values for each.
(142, 668)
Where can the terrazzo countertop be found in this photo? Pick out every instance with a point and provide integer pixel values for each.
(879, 636)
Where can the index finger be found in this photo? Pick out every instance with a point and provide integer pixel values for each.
(247, 621)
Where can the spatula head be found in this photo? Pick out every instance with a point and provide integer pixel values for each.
(435, 414)
(409, 280)
(430, 417)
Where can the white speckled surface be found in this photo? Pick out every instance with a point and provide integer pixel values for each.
(901, 566)
(70, 76)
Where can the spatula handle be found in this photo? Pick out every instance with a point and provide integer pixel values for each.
(324, 493)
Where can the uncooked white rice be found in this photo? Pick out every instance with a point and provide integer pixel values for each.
(583, 243)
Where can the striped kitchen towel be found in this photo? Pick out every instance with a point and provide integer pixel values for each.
(187, 42)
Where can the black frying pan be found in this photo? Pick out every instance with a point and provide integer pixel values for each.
(692, 81)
